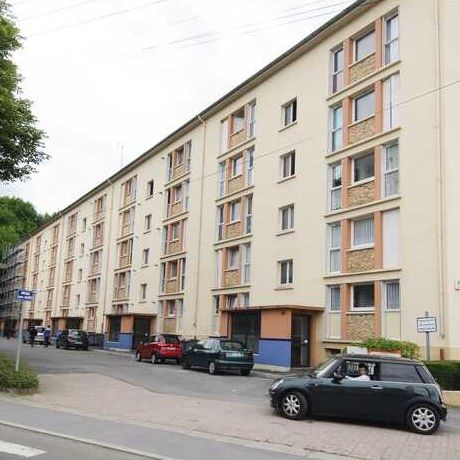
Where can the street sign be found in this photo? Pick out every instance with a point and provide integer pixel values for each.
(427, 324)
(25, 295)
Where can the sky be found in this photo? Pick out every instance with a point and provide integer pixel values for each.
(111, 78)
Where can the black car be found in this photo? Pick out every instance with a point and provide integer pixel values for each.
(218, 354)
(72, 338)
(396, 390)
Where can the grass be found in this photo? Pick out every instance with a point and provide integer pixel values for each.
(24, 379)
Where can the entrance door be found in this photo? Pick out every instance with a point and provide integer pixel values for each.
(141, 327)
(300, 341)
(246, 329)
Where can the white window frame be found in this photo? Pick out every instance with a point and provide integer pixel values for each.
(352, 297)
(390, 102)
(150, 188)
(337, 82)
(289, 273)
(240, 128)
(186, 195)
(143, 291)
(246, 263)
(246, 299)
(148, 222)
(237, 165)
(335, 190)
(145, 256)
(329, 299)
(388, 172)
(220, 222)
(291, 164)
(235, 216)
(231, 305)
(289, 112)
(289, 209)
(331, 249)
(175, 231)
(357, 40)
(221, 179)
(233, 264)
(249, 214)
(252, 119)
(250, 166)
(188, 155)
(336, 130)
(355, 101)
(388, 42)
(353, 161)
(385, 302)
(216, 304)
(224, 134)
(362, 246)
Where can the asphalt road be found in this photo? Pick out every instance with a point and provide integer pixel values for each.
(168, 378)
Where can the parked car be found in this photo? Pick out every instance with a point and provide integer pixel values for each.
(39, 338)
(72, 338)
(219, 354)
(398, 390)
(159, 347)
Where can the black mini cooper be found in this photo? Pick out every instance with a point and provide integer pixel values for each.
(366, 387)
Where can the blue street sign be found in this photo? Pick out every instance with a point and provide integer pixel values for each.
(25, 295)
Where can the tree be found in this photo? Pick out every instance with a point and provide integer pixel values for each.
(21, 142)
(18, 218)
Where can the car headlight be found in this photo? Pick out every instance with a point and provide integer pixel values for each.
(276, 384)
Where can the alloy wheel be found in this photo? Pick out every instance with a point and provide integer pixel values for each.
(291, 405)
(423, 418)
(212, 367)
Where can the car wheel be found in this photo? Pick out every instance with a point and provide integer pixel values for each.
(212, 368)
(185, 364)
(245, 372)
(138, 356)
(155, 359)
(294, 405)
(423, 419)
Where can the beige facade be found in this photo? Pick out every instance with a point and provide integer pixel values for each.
(310, 208)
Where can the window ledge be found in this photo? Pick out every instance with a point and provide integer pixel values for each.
(173, 181)
(147, 231)
(361, 206)
(286, 232)
(236, 147)
(364, 311)
(361, 248)
(284, 179)
(357, 122)
(284, 288)
(361, 182)
(148, 197)
(144, 265)
(230, 196)
(235, 176)
(283, 128)
(238, 221)
(366, 56)
(231, 269)
(369, 272)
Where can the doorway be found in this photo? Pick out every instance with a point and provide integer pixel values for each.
(141, 327)
(246, 329)
(300, 341)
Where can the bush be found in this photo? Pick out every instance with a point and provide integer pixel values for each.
(446, 373)
(26, 378)
(407, 349)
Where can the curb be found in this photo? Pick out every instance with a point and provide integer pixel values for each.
(91, 442)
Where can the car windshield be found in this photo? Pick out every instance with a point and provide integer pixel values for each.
(231, 346)
(76, 334)
(171, 339)
(324, 369)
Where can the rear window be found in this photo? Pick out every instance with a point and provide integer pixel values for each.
(170, 339)
(77, 334)
(393, 372)
(231, 346)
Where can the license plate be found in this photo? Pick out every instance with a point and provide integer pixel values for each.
(234, 354)
(171, 349)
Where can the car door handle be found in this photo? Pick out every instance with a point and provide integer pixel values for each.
(376, 387)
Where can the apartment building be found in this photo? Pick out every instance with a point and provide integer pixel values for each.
(311, 207)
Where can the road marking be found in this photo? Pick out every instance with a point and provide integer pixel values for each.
(18, 449)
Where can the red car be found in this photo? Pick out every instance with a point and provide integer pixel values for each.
(159, 347)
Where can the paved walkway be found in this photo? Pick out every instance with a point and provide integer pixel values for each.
(247, 425)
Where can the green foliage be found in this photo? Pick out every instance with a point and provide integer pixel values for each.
(18, 218)
(407, 349)
(26, 378)
(21, 142)
(446, 373)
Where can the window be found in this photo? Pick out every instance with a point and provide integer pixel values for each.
(216, 304)
(232, 301)
(186, 194)
(221, 179)
(363, 232)
(290, 112)
(224, 133)
(238, 121)
(288, 165)
(364, 45)
(391, 169)
(145, 256)
(391, 238)
(173, 266)
(180, 306)
(393, 372)
(287, 217)
(188, 155)
(171, 305)
(245, 297)
(182, 275)
(179, 159)
(175, 231)
(78, 300)
(233, 255)
(364, 106)
(363, 296)
(80, 274)
(390, 106)
(220, 223)
(336, 139)
(391, 39)
(252, 119)
(177, 194)
(335, 186)
(237, 166)
(143, 291)
(335, 248)
(83, 224)
(363, 167)
(334, 298)
(286, 272)
(391, 295)
(114, 328)
(246, 262)
(82, 249)
(148, 222)
(250, 166)
(337, 69)
(248, 214)
(150, 185)
(235, 211)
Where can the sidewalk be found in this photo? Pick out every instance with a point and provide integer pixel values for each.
(104, 398)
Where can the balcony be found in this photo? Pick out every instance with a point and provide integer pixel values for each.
(361, 260)
(361, 130)
(359, 194)
(232, 277)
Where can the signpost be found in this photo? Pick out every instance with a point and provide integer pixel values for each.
(22, 295)
(427, 324)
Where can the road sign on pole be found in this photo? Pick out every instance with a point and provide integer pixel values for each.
(427, 324)
(22, 295)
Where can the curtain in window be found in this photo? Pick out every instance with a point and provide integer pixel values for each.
(364, 232)
(334, 298)
(393, 302)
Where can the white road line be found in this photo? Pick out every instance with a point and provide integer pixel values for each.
(17, 449)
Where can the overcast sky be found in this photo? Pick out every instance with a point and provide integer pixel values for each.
(111, 78)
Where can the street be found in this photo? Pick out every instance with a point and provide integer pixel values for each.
(163, 411)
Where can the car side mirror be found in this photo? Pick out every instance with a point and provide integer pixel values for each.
(337, 377)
